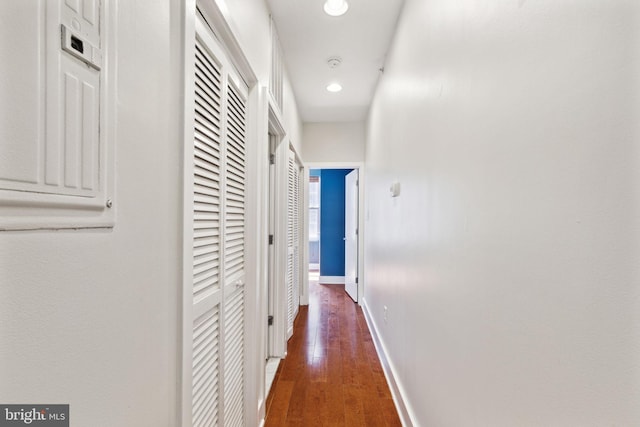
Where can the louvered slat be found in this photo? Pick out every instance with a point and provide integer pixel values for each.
(235, 185)
(205, 369)
(234, 361)
(206, 197)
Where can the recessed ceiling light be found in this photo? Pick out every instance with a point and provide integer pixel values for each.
(336, 7)
(334, 87)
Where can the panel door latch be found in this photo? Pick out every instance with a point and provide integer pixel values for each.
(75, 45)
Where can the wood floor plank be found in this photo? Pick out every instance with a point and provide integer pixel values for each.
(314, 398)
(335, 403)
(332, 375)
(281, 392)
(390, 414)
(318, 370)
(353, 407)
(297, 405)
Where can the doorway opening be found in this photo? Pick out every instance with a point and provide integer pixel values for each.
(334, 218)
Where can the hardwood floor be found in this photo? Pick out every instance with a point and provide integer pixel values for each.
(331, 375)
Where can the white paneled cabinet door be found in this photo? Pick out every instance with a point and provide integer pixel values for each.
(214, 354)
(56, 131)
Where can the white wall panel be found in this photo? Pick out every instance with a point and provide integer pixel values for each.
(56, 163)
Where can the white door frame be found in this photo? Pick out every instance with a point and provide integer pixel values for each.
(361, 177)
(277, 345)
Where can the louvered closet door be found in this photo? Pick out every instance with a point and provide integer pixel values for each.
(207, 226)
(234, 270)
(296, 239)
(301, 271)
(293, 264)
(217, 369)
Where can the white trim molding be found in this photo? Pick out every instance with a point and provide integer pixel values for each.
(331, 280)
(407, 417)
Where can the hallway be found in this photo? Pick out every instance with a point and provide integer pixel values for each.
(331, 375)
(155, 216)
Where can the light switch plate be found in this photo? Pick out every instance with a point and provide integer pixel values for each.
(395, 189)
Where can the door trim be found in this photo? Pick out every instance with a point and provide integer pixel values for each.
(304, 295)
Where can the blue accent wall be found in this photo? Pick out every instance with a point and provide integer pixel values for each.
(332, 221)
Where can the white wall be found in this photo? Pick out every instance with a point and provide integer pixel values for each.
(509, 263)
(334, 142)
(250, 22)
(291, 118)
(90, 318)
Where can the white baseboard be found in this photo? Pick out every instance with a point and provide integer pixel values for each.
(404, 411)
(332, 280)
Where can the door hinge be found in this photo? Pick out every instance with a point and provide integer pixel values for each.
(271, 239)
(272, 159)
(356, 280)
(269, 320)
(357, 231)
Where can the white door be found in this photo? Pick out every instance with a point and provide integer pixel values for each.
(351, 234)
(293, 241)
(234, 249)
(214, 304)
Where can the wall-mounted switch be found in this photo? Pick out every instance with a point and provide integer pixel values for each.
(395, 189)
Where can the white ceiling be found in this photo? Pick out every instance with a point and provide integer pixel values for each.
(309, 37)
